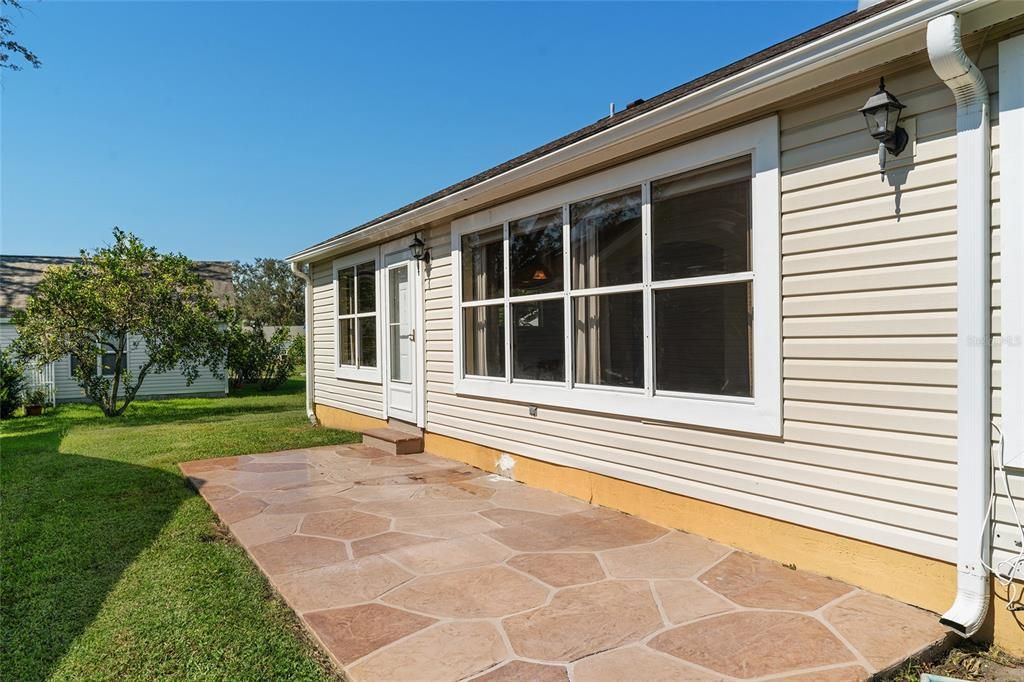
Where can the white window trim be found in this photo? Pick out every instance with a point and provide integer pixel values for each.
(1011, 123)
(760, 414)
(354, 372)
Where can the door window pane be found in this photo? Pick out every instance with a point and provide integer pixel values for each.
(605, 237)
(347, 342)
(484, 340)
(366, 275)
(700, 222)
(535, 253)
(702, 339)
(609, 340)
(346, 291)
(483, 270)
(399, 324)
(538, 340)
(367, 328)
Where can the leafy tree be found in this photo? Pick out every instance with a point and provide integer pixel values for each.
(12, 385)
(98, 309)
(8, 45)
(267, 292)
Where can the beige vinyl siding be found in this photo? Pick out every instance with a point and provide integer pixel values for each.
(869, 347)
(354, 396)
(1006, 535)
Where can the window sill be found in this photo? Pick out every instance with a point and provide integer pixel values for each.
(366, 374)
(745, 415)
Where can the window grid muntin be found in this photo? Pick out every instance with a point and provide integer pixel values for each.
(647, 286)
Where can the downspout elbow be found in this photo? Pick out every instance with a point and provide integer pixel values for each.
(951, 63)
(308, 326)
(973, 186)
(967, 614)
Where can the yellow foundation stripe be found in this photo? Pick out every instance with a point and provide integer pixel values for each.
(910, 578)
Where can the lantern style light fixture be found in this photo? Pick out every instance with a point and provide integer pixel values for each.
(882, 115)
(419, 250)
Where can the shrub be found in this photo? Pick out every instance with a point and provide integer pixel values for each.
(242, 360)
(12, 385)
(35, 396)
(255, 359)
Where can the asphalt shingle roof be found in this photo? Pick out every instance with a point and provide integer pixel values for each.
(19, 276)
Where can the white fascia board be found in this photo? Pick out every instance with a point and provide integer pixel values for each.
(881, 29)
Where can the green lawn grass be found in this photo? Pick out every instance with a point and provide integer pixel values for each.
(113, 568)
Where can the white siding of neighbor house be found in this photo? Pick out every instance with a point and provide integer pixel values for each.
(7, 334)
(155, 384)
(355, 396)
(868, 448)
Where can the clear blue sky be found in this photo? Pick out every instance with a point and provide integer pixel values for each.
(243, 129)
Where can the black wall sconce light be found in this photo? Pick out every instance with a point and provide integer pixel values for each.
(882, 115)
(419, 250)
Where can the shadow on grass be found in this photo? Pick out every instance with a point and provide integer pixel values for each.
(173, 414)
(72, 524)
(246, 400)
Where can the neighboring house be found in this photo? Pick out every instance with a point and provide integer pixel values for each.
(711, 309)
(19, 276)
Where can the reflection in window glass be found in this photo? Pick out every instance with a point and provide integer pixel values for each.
(605, 237)
(367, 328)
(484, 340)
(108, 361)
(535, 253)
(366, 275)
(700, 222)
(702, 339)
(108, 358)
(346, 291)
(538, 340)
(347, 342)
(483, 257)
(399, 324)
(609, 340)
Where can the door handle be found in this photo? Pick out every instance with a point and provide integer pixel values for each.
(412, 335)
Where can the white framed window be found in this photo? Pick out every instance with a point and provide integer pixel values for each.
(357, 316)
(649, 290)
(106, 360)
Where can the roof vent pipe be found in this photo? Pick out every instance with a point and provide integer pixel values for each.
(974, 368)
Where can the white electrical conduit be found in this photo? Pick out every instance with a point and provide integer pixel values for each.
(974, 445)
(304, 276)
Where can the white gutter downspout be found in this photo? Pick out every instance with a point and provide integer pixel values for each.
(304, 276)
(973, 183)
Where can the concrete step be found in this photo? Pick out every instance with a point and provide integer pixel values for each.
(393, 441)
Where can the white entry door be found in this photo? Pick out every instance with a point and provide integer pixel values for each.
(401, 337)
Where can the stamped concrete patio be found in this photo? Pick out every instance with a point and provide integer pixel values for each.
(415, 567)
